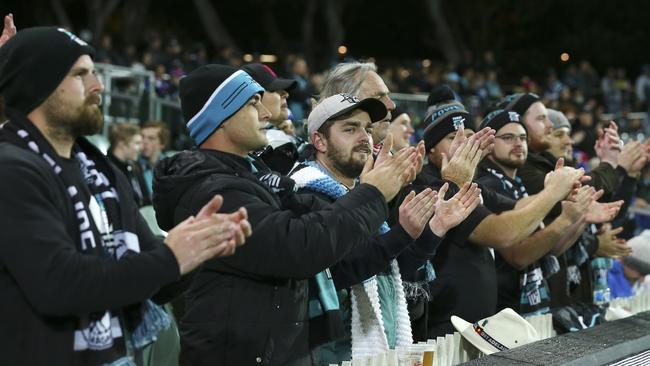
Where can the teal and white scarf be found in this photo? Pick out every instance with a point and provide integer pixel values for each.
(368, 333)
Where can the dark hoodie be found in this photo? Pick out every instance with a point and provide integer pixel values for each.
(251, 308)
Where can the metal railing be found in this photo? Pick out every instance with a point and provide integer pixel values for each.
(129, 96)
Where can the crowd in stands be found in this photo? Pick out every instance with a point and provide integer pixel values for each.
(576, 89)
(342, 239)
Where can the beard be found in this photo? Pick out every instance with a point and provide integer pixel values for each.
(511, 163)
(540, 143)
(346, 163)
(66, 120)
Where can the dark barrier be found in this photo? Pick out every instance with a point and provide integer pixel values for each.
(600, 345)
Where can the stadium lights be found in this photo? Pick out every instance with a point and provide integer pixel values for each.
(268, 58)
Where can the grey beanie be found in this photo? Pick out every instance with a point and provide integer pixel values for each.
(558, 119)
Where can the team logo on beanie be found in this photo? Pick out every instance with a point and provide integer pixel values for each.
(514, 116)
(80, 41)
(458, 121)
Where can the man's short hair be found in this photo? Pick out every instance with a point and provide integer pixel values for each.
(346, 78)
(122, 132)
(163, 131)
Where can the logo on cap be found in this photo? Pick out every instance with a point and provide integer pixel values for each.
(458, 121)
(80, 41)
(349, 98)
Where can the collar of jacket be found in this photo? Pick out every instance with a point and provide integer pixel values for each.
(486, 164)
(544, 160)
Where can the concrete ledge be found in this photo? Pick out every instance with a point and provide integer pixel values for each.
(600, 345)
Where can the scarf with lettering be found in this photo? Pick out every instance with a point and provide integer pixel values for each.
(110, 336)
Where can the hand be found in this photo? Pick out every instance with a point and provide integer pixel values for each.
(599, 213)
(449, 213)
(611, 246)
(9, 29)
(421, 153)
(608, 145)
(486, 139)
(419, 163)
(457, 142)
(239, 218)
(575, 208)
(392, 173)
(632, 158)
(384, 153)
(462, 166)
(484, 136)
(207, 235)
(415, 211)
(562, 180)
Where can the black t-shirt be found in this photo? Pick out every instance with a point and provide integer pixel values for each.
(465, 282)
(507, 276)
(524, 291)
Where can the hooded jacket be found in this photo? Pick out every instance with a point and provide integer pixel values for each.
(251, 308)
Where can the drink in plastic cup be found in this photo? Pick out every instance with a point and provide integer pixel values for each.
(410, 356)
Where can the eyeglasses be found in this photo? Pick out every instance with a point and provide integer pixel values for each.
(509, 138)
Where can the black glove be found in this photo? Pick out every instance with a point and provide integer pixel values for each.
(283, 186)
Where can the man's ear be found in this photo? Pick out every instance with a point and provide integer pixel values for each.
(320, 142)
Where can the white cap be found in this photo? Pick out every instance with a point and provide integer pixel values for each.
(340, 104)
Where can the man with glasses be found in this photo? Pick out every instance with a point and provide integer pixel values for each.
(568, 286)
(466, 279)
(522, 268)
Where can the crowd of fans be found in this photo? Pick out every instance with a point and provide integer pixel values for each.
(577, 88)
(341, 242)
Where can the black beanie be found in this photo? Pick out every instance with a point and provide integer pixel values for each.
(34, 62)
(519, 102)
(444, 120)
(499, 118)
(197, 87)
(440, 94)
(212, 94)
(396, 113)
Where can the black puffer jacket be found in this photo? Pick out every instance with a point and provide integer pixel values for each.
(251, 308)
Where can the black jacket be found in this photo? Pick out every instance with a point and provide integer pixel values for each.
(251, 308)
(134, 175)
(465, 283)
(44, 281)
(603, 177)
(537, 165)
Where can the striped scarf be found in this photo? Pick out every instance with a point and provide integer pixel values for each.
(113, 334)
(368, 332)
